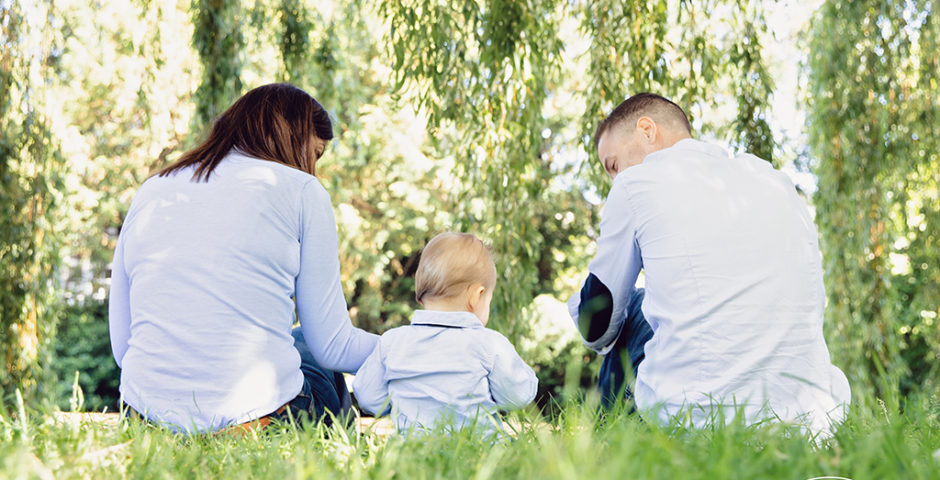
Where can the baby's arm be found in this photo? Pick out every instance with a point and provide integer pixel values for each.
(370, 386)
(512, 382)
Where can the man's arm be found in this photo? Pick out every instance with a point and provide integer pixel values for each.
(599, 308)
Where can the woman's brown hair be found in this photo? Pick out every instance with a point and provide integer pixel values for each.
(276, 122)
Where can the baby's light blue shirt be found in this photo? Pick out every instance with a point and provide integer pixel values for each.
(444, 367)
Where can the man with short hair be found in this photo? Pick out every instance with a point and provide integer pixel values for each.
(731, 316)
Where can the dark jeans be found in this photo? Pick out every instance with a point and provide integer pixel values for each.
(629, 346)
(323, 393)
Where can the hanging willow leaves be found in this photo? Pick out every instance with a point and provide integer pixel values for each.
(625, 58)
(873, 100)
(30, 181)
(483, 66)
(510, 93)
(754, 86)
(672, 48)
(484, 69)
(294, 39)
(218, 40)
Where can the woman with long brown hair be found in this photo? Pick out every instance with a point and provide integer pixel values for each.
(219, 253)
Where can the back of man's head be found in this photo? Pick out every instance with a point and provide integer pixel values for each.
(664, 112)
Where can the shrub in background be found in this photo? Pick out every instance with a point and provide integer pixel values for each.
(552, 347)
(82, 345)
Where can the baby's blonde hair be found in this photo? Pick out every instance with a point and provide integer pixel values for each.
(450, 263)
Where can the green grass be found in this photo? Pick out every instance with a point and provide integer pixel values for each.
(876, 441)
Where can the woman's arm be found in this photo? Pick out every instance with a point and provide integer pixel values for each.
(321, 306)
(119, 305)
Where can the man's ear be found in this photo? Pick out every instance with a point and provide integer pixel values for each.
(647, 127)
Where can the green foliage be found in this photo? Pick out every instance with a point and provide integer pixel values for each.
(750, 130)
(876, 441)
(564, 368)
(474, 115)
(295, 39)
(82, 347)
(486, 71)
(218, 39)
(481, 70)
(30, 188)
(627, 45)
(873, 99)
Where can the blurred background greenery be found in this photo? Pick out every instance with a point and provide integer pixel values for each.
(472, 115)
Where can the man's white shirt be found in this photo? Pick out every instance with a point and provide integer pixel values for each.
(734, 291)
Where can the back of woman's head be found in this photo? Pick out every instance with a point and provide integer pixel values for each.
(277, 122)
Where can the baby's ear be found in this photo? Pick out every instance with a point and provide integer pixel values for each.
(474, 294)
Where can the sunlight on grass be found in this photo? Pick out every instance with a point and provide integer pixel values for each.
(877, 441)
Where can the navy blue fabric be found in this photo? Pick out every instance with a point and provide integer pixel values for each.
(323, 391)
(595, 309)
(630, 344)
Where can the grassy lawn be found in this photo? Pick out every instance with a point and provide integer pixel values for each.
(876, 441)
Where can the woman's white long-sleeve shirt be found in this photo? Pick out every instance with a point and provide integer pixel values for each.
(203, 285)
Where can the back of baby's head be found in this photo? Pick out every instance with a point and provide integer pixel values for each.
(452, 262)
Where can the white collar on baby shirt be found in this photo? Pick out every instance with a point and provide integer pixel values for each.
(436, 318)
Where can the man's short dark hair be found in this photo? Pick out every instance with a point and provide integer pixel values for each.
(657, 107)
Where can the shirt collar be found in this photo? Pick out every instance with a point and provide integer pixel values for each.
(700, 146)
(446, 319)
(688, 144)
